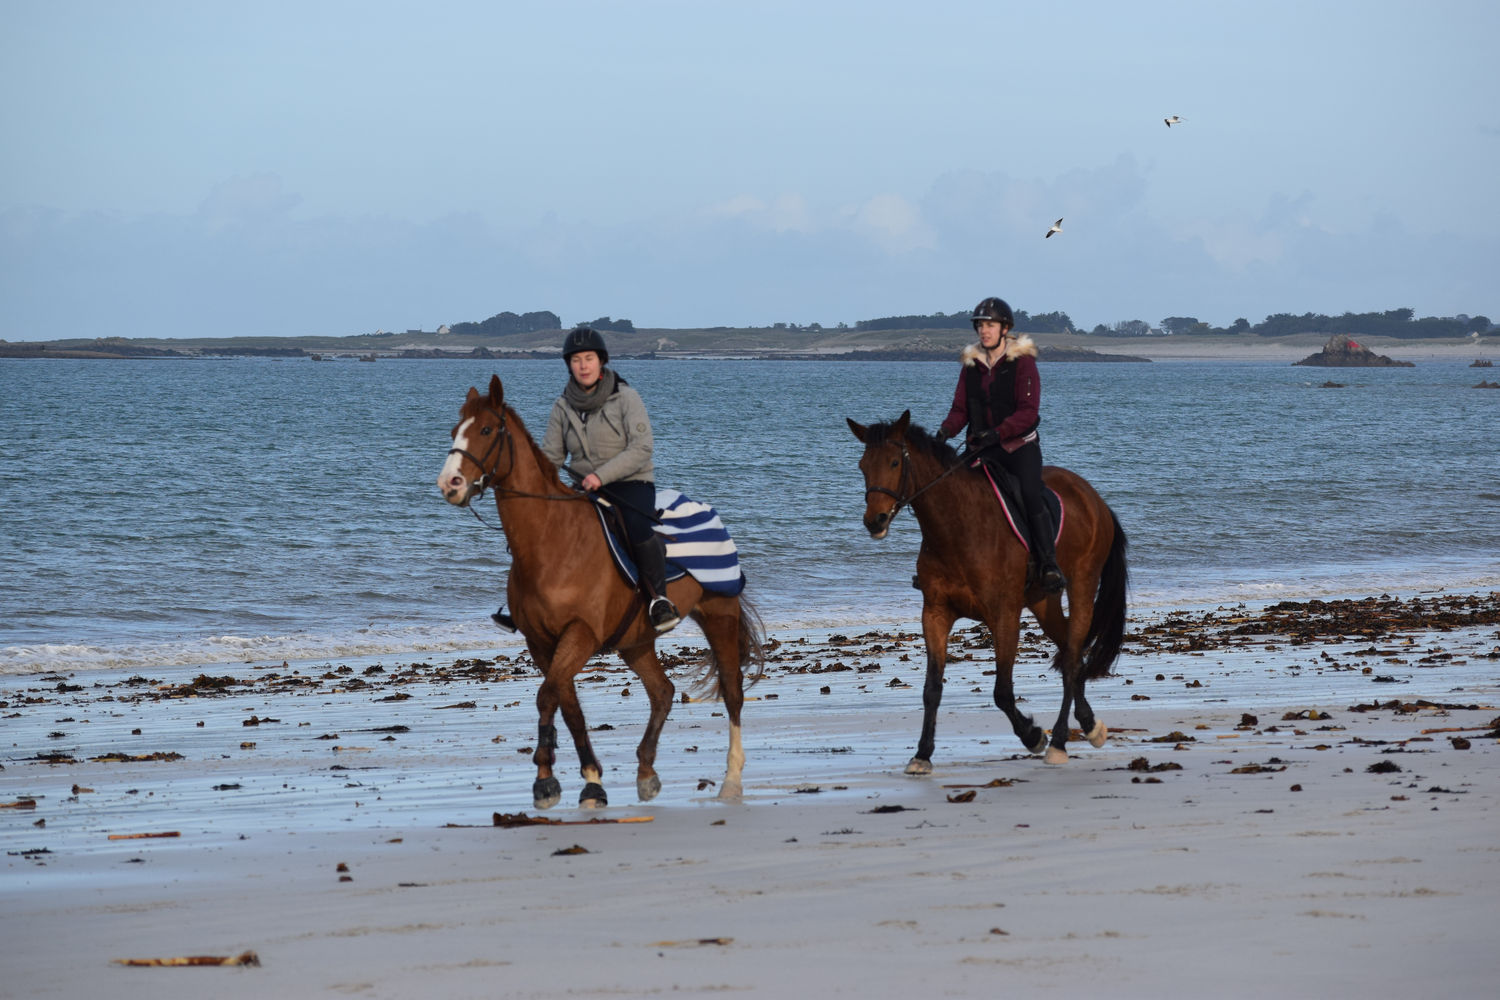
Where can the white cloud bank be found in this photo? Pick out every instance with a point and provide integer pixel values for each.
(254, 260)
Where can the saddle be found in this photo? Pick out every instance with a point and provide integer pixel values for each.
(697, 543)
(1007, 490)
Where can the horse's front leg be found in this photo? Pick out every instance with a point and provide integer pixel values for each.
(937, 622)
(559, 692)
(659, 690)
(1006, 632)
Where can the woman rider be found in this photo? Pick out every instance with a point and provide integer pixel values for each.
(999, 396)
(601, 423)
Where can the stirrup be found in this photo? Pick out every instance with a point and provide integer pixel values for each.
(1052, 579)
(504, 620)
(663, 615)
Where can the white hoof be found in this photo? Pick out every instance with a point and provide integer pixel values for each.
(1056, 756)
(731, 791)
(918, 766)
(1098, 735)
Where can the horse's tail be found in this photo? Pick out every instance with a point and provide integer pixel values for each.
(751, 647)
(1107, 630)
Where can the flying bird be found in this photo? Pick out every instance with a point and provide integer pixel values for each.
(1174, 120)
(1056, 228)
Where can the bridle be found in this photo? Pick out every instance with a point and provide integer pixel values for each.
(903, 494)
(488, 475)
(489, 472)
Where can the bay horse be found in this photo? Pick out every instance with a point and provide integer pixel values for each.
(971, 565)
(570, 603)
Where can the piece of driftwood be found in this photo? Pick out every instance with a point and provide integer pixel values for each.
(243, 958)
(521, 819)
(143, 836)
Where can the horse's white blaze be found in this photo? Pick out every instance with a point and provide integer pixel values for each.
(451, 467)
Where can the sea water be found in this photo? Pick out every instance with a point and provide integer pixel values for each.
(157, 513)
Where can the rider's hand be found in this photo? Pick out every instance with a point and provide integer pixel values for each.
(591, 483)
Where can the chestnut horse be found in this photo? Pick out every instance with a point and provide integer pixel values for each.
(570, 603)
(971, 565)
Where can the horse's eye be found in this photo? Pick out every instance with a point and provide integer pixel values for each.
(486, 431)
(894, 463)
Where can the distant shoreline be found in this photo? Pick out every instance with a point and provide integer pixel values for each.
(752, 345)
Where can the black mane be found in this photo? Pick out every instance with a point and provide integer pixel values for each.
(917, 437)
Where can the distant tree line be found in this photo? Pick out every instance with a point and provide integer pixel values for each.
(1049, 322)
(505, 323)
(1396, 323)
(615, 325)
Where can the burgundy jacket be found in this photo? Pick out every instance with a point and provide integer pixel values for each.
(1019, 362)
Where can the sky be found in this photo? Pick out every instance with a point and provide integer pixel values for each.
(192, 169)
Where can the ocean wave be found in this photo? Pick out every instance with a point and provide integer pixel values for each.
(214, 650)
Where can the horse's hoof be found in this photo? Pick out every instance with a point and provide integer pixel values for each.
(1038, 743)
(546, 793)
(1098, 735)
(647, 788)
(730, 791)
(1056, 755)
(592, 796)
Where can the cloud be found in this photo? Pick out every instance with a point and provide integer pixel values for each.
(256, 198)
(893, 224)
(252, 260)
(784, 213)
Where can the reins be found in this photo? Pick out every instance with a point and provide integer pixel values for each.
(900, 493)
(488, 479)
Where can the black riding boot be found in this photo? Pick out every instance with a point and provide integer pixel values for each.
(503, 619)
(651, 560)
(1048, 572)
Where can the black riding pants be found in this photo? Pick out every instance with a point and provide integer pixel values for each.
(1025, 463)
(635, 499)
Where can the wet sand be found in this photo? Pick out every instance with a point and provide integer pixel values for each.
(1297, 799)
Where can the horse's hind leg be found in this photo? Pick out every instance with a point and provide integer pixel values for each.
(723, 634)
(1006, 632)
(1069, 633)
(659, 689)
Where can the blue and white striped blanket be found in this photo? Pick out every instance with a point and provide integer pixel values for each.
(697, 543)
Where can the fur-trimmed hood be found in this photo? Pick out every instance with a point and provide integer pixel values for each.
(1015, 347)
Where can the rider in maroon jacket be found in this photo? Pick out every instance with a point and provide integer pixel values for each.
(998, 397)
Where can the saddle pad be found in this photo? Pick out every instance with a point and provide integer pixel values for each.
(1010, 505)
(697, 544)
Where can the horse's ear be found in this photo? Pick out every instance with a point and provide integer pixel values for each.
(497, 392)
(473, 395)
(899, 427)
(858, 429)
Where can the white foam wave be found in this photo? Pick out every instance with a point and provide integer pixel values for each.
(231, 649)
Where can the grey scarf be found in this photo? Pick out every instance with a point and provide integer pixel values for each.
(588, 402)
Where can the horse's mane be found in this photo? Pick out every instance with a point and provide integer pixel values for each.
(483, 402)
(917, 437)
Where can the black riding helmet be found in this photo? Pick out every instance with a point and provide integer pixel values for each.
(585, 338)
(996, 309)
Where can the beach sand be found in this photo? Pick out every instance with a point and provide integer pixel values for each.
(1295, 801)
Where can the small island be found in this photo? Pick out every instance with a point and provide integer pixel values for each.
(1342, 351)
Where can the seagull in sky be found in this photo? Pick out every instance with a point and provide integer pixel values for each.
(1056, 228)
(1174, 120)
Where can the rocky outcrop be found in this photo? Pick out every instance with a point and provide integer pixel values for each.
(1342, 351)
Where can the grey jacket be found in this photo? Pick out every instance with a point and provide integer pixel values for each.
(614, 442)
